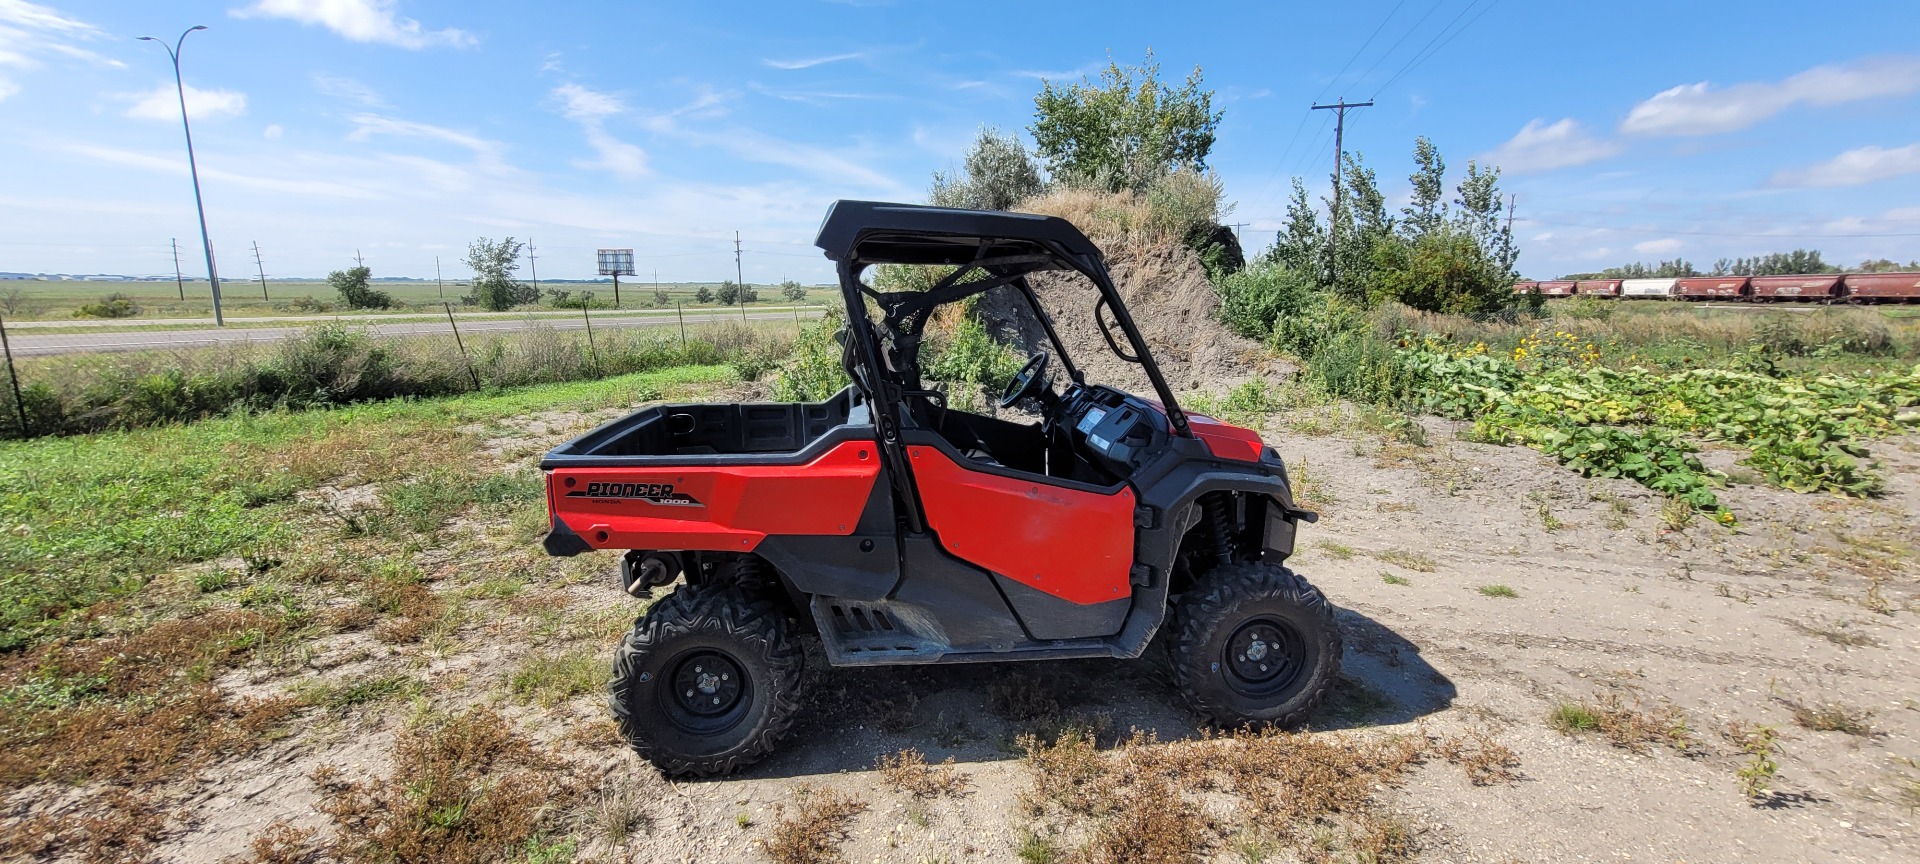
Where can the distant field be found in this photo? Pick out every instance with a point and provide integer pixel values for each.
(30, 300)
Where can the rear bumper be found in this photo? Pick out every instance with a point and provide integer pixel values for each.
(561, 542)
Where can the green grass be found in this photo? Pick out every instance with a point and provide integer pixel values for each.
(92, 516)
(1391, 579)
(1498, 591)
(549, 679)
(54, 301)
(1571, 717)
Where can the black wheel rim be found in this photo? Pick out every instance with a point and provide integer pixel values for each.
(1264, 657)
(708, 692)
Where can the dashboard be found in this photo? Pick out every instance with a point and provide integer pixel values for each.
(1114, 430)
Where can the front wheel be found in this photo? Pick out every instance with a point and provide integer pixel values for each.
(1255, 644)
(708, 680)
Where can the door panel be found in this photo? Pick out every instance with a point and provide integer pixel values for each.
(1074, 544)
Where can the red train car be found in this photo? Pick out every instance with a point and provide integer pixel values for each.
(1526, 287)
(1882, 287)
(1561, 288)
(1713, 288)
(1823, 288)
(1598, 287)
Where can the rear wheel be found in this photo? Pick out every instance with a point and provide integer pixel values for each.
(1254, 644)
(708, 680)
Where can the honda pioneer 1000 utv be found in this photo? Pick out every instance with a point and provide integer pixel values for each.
(900, 529)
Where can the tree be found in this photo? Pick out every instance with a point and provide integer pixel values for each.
(998, 174)
(1428, 209)
(660, 297)
(703, 296)
(493, 264)
(1127, 130)
(356, 291)
(793, 292)
(1301, 245)
(1799, 261)
(731, 293)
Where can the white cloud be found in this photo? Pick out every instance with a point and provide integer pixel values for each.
(590, 109)
(1541, 146)
(485, 153)
(359, 21)
(810, 62)
(348, 89)
(273, 131)
(1699, 109)
(36, 17)
(163, 103)
(1663, 246)
(30, 32)
(1855, 167)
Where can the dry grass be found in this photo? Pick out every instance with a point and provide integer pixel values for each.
(284, 844)
(1410, 560)
(909, 772)
(461, 790)
(1833, 717)
(1630, 727)
(1318, 795)
(813, 833)
(1487, 762)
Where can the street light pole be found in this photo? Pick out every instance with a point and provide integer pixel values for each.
(213, 273)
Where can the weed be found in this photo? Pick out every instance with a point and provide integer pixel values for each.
(210, 581)
(1338, 550)
(1677, 513)
(909, 772)
(284, 844)
(1837, 631)
(1834, 717)
(1391, 579)
(1036, 848)
(1498, 591)
(358, 693)
(1758, 742)
(460, 790)
(1630, 727)
(549, 679)
(1487, 762)
(618, 811)
(813, 834)
(1410, 560)
(743, 820)
(1023, 697)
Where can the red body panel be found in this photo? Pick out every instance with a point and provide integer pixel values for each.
(1073, 544)
(1795, 287)
(730, 507)
(1525, 287)
(1227, 441)
(1892, 286)
(1599, 287)
(1729, 287)
(1562, 288)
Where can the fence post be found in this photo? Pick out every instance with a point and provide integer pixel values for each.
(462, 346)
(796, 319)
(681, 312)
(592, 355)
(14, 376)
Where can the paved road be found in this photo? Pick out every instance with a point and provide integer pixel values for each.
(32, 345)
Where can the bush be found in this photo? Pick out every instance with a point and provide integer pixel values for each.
(494, 285)
(999, 174)
(116, 305)
(703, 296)
(660, 298)
(815, 371)
(356, 291)
(793, 292)
(1253, 300)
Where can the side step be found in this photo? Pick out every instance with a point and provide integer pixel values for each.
(877, 632)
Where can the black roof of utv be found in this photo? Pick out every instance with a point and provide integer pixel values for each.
(874, 232)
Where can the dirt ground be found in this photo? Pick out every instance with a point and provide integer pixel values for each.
(1807, 605)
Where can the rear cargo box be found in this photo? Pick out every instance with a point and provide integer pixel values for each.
(1644, 288)
(1884, 286)
(1562, 288)
(1598, 288)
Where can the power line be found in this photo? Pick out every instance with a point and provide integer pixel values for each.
(1339, 142)
(1423, 57)
(1357, 52)
(1403, 37)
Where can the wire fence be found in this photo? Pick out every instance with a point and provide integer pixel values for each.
(78, 377)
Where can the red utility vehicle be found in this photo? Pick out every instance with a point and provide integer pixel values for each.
(898, 529)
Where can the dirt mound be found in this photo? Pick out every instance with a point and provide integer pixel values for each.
(1171, 299)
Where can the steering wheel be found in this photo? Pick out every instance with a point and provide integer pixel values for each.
(1026, 382)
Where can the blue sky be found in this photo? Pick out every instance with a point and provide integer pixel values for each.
(404, 128)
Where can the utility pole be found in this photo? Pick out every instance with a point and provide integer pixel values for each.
(358, 260)
(436, 278)
(193, 168)
(262, 270)
(178, 281)
(533, 267)
(740, 282)
(1339, 155)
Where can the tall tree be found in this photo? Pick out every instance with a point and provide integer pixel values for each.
(1301, 245)
(1125, 131)
(1428, 208)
